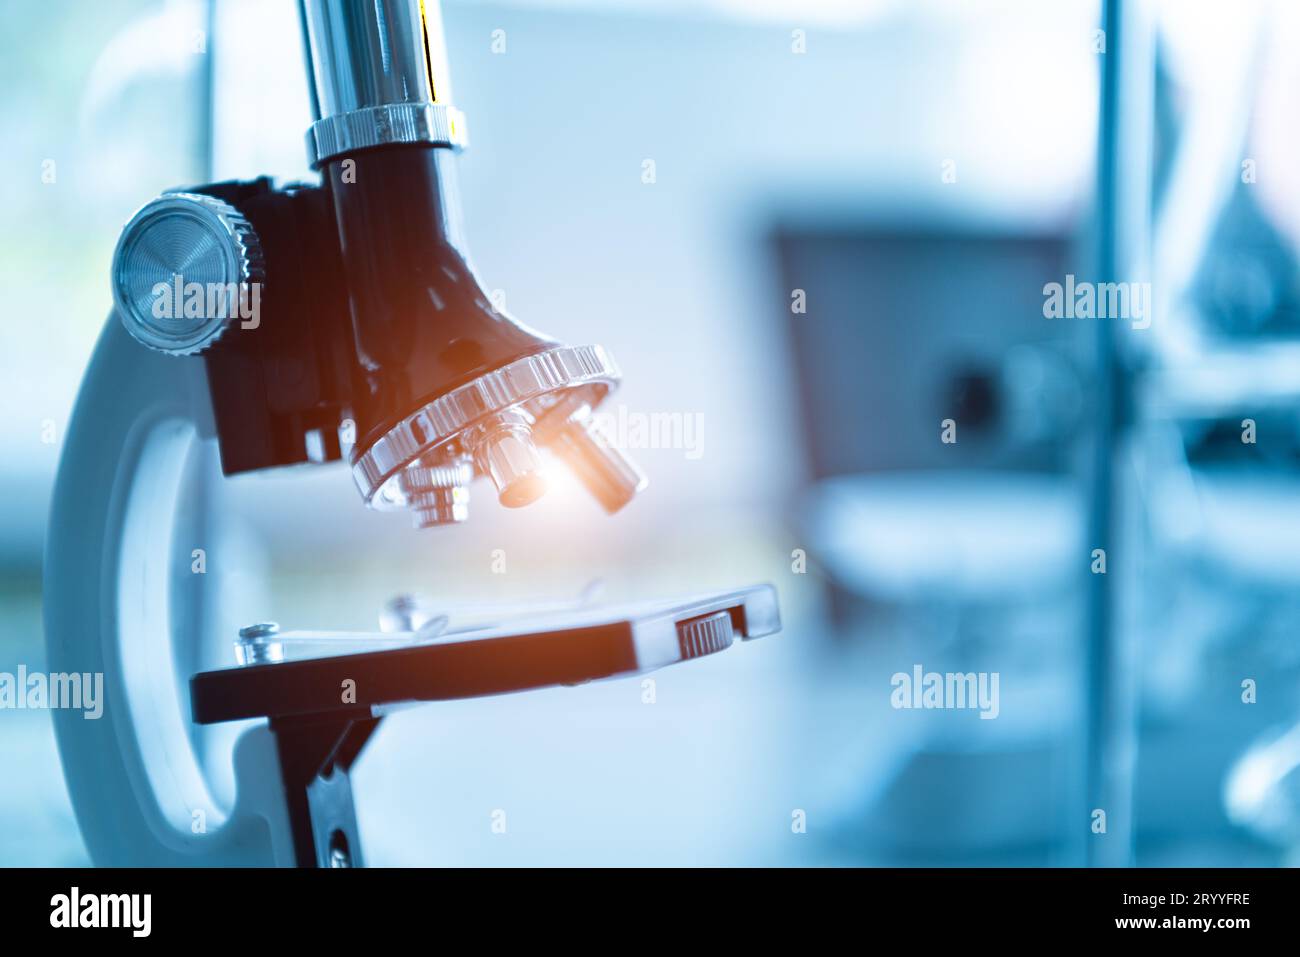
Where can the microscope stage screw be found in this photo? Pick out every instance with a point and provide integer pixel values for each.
(256, 644)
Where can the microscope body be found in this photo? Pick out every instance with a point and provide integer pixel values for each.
(312, 323)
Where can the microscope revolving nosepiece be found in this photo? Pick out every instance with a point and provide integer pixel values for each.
(497, 426)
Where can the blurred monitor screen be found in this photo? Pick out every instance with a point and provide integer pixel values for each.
(906, 328)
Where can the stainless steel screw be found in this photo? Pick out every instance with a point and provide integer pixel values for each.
(263, 629)
(255, 645)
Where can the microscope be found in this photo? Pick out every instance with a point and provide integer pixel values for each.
(317, 323)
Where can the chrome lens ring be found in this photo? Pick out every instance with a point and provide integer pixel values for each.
(431, 123)
(448, 416)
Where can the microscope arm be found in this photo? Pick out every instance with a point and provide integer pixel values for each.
(136, 786)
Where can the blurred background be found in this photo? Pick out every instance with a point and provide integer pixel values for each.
(854, 211)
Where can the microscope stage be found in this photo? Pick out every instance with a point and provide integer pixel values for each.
(566, 648)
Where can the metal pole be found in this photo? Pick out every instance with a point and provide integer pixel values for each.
(1123, 231)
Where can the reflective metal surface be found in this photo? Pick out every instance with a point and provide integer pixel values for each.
(259, 644)
(608, 474)
(366, 53)
(344, 133)
(504, 451)
(438, 494)
(178, 247)
(451, 414)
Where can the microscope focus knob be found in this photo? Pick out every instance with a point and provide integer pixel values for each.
(187, 267)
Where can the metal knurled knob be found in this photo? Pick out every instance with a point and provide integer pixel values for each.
(185, 270)
(704, 636)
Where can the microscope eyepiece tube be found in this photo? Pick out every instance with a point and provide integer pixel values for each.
(369, 53)
(378, 75)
